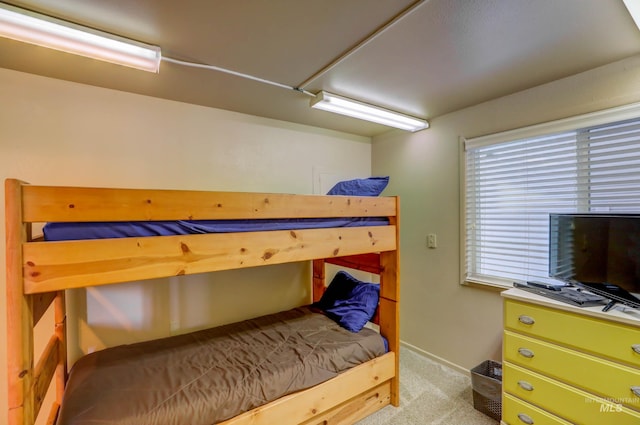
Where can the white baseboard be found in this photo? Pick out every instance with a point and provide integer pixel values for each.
(435, 358)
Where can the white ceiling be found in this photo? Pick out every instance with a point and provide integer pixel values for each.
(441, 56)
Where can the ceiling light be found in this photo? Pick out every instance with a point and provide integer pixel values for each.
(29, 27)
(353, 108)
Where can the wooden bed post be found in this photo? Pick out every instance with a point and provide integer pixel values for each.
(19, 313)
(389, 299)
(28, 379)
(318, 280)
(390, 315)
(60, 313)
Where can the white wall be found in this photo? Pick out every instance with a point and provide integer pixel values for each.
(61, 133)
(462, 324)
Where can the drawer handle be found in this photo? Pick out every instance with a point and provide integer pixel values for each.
(636, 348)
(525, 418)
(525, 352)
(527, 320)
(526, 386)
(636, 390)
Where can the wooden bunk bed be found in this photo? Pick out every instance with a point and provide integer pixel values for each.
(38, 273)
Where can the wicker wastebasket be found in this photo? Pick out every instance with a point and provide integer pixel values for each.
(486, 383)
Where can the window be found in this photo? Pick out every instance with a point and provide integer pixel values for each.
(514, 180)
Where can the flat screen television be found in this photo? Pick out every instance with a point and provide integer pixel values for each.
(599, 250)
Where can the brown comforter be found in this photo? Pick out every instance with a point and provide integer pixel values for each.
(212, 375)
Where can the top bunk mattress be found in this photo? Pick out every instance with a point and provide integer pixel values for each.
(64, 231)
(71, 230)
(211, 375)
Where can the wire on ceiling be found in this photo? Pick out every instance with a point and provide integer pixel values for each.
(237, 74)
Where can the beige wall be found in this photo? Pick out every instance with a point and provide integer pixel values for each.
(55, 132)
(462, 324)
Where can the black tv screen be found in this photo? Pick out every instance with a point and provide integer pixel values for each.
(596, 248)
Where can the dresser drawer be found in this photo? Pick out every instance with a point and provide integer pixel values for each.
(563, 401)
(517, 412)
(617, 341)
(607, 379)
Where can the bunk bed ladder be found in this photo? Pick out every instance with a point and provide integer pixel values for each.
(28, 385)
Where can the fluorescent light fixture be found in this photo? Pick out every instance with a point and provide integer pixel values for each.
(633, 6)
(29, 27)
(353, 108)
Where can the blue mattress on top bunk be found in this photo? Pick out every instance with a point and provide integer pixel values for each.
(371, 186)
(126, 229)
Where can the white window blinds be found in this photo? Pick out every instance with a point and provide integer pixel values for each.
(512, 186)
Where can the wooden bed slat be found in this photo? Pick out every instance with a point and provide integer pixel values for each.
(53, 266)
(365, 262)
(304, 405)
(60, 319)
(44, 371)
(53, 414)
(48, 203)
(355, 409)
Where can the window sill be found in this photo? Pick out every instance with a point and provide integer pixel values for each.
(490, 286)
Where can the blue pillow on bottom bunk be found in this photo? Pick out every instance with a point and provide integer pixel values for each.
(349, 301)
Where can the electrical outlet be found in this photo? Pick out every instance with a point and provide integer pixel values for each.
(432, 240)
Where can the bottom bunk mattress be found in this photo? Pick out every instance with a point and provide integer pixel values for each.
(212, 375)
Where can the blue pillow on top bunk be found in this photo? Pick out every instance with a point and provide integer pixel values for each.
(372, 186)
(349, 301)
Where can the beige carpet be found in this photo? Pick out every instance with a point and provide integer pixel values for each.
(430, 394)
